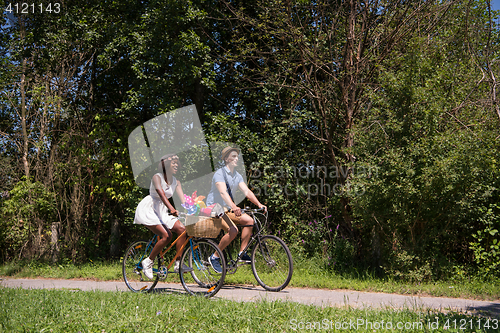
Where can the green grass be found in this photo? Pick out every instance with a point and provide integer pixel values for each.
(78, 311)
(105, 271)
(308, 273)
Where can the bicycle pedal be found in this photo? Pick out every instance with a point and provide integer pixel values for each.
(244, 262)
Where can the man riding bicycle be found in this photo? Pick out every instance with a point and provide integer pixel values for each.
(225, 182)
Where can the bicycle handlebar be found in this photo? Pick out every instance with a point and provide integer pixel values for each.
(254, 210)
(243, 210)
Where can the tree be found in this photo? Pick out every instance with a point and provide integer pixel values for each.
(322, 56)
(52, 84)
(431, 136)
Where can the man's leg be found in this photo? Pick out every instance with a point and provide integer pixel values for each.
(246, 232)
(230, 234)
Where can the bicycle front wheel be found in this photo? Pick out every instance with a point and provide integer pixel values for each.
(272, 263)
(134, 277)
(202, 280)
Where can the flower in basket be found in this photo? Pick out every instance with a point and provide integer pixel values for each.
(188, 201)
(192, 210)
(193, 204)
(206, 211)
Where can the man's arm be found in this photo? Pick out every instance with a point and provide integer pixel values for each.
(251, 196)
(221, 187)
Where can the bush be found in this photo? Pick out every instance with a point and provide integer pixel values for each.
(487, 242)
(26, 217)
(407, 267)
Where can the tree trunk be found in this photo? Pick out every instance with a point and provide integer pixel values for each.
(76, 218)
(199, 99)
(24, 115)
(114, 238)
(54, 241)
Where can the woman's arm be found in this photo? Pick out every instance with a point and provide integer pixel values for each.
(161, 194)
(180, 193)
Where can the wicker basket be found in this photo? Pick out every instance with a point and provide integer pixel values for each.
(199, 226)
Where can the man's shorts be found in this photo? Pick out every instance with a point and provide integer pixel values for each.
(233, 220)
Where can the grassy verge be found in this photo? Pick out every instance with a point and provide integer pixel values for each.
(77, 311)
(307, 274)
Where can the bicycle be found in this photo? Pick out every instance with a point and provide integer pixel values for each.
(200, 279)
(271, 260)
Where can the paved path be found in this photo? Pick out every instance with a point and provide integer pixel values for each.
(318, 297)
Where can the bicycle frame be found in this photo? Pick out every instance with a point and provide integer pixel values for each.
(196, 274)
(270, 258)
(153, 241)
(258, 227)
(178, 254)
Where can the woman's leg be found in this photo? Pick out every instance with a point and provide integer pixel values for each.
(178, 229)
(164, 235)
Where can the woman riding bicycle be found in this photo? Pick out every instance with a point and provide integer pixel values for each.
(157, 214)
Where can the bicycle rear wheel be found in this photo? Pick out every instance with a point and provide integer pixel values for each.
(132, 267)
(272, 263)
(202, 280)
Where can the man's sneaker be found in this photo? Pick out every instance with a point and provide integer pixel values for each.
(244, 257)
(184, 267)
(147, 268)
(215, 262)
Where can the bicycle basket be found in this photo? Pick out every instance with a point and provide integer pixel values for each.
(200, 226)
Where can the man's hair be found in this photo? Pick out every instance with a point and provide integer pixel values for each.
(226, 151)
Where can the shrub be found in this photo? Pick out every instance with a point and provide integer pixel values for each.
(487, 242)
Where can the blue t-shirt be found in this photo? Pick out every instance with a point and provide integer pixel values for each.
(233, 179)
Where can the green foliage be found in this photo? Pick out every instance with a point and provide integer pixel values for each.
(314, 235)
(321, 239)
(7, 174)
(408, 267)
(27, 204)
(28, 199)
(487, 241)
(436, 161)
(412, 135)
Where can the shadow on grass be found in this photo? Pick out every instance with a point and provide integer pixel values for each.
(170, 291)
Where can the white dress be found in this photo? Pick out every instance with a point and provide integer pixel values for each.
(151, 210)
